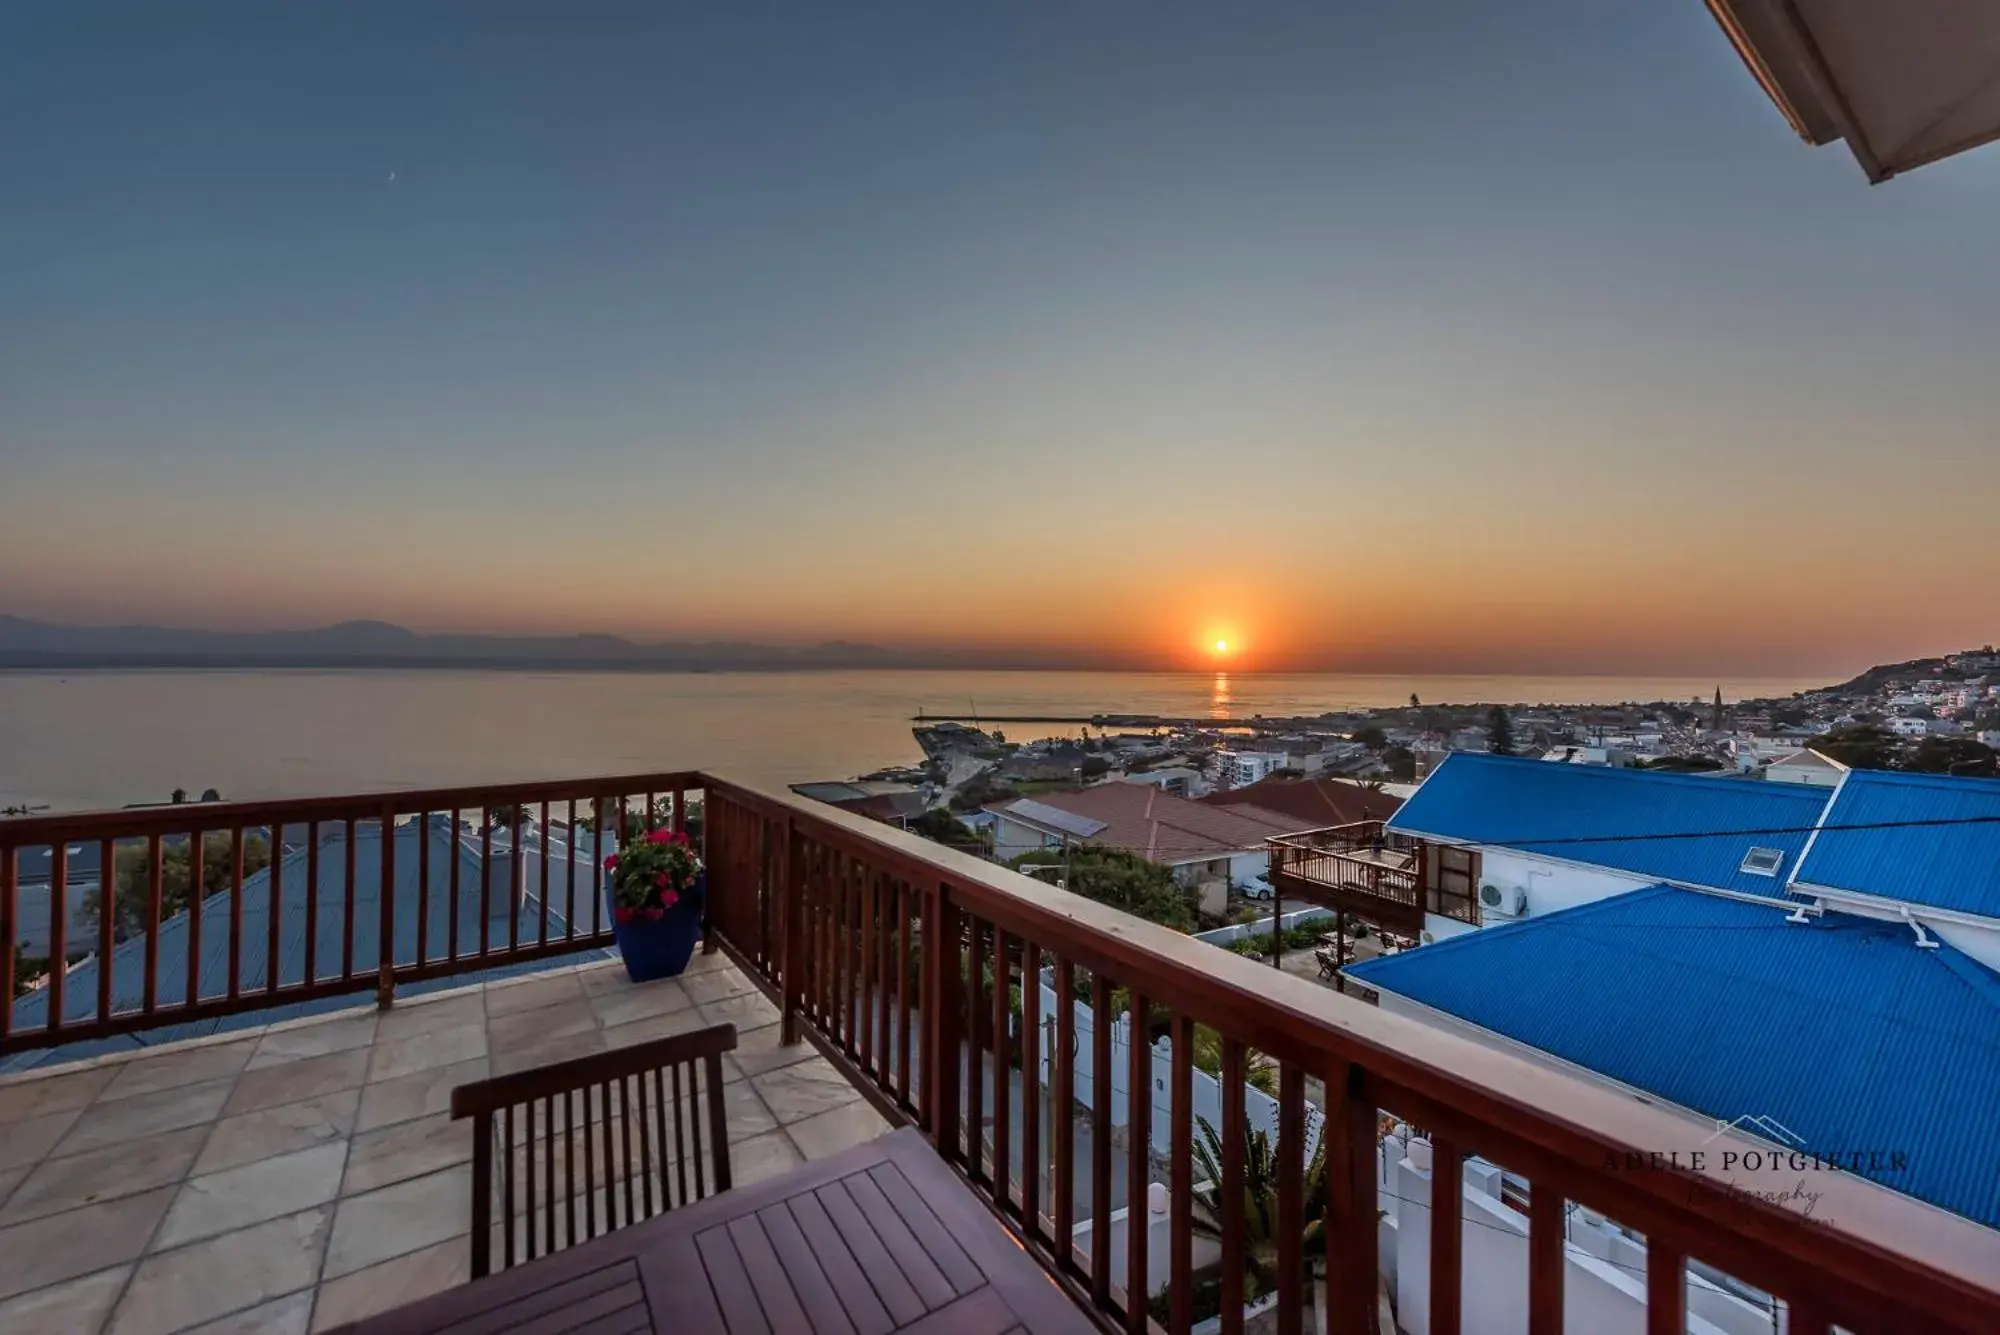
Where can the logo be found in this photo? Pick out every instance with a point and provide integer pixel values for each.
(1770, 1128)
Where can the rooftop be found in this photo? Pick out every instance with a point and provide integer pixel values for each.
(1931, 839)
(1841, 1030)
(1317, 802)
(1689, 829)
(1808, 759)
(306, 1174)
(1154, 824)
(433, 853)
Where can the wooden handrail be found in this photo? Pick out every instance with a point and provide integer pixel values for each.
(179, 817)
(1870, 1257)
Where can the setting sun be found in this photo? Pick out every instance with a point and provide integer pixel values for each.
(1222, 646)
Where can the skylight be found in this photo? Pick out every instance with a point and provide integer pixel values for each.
(1763, 861)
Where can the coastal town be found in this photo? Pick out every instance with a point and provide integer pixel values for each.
(1938, 714)
(1553, 882)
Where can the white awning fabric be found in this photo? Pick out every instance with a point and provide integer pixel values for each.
(1903, 82)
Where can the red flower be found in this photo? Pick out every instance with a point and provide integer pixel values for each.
(662, 880)
(670, 899)
(611, 862)
(662, 836)
(621, 914)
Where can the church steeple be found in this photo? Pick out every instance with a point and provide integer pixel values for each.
(1716, 721)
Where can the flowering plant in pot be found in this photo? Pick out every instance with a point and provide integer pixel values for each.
(656, 889)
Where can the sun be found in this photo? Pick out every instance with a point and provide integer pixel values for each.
(1222, 646)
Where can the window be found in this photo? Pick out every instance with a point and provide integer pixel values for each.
(1763, 861)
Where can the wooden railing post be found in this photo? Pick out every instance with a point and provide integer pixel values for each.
(7, 930)
(1546, 1215)
(1351, 1227)
(711, 940)
(1666, 1289)
(1447, 1235)
(385, 944)
(791, 931)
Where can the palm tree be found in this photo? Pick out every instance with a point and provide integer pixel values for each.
(1261, 1166)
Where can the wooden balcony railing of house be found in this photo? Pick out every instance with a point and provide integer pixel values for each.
(1389, 878)
(917, 970)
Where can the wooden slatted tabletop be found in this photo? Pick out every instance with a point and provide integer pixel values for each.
(880, 1239)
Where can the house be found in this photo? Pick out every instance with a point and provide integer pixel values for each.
(891, 803)
(1808, 766)
(1842, 1039)
(1535, 838)
(434, 854)
(34, 871)
(1054, 766)
(1240, 769)
(1312, 803)
(1180, 780)
(1200, 842)
(1567, 754)
(1922, 849)
(35, 896)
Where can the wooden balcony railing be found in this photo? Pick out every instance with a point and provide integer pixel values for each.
(920, 971)
(1345, 871)
(469, 879)
(1372, 871)
(910, 963)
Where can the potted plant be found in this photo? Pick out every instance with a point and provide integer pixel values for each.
(657, 888)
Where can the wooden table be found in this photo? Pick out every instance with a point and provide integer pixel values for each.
(882, 1238)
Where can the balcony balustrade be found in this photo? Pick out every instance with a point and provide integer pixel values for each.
(994, 1013)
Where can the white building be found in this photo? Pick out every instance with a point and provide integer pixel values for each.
(1240, 769)
(1808, 767)
(1180, 780)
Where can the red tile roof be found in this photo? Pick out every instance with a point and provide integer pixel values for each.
(1310, 804)
(1161, 827)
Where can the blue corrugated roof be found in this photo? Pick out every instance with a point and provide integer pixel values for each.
(1615, 818)
(1841, 1030)
(444, 846)
(1946, 866)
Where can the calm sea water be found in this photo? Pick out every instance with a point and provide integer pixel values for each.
(99, 739)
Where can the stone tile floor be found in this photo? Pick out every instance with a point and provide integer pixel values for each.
(294, 1178)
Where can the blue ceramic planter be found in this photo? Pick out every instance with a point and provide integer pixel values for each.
(662, 947)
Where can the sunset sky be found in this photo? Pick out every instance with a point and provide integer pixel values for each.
(1447, 336)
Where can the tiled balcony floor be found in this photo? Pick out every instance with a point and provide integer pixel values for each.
(294, 1178)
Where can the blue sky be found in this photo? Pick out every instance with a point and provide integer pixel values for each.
(1434, 336)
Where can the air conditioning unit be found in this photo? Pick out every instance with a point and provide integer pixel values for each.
(1506, 901)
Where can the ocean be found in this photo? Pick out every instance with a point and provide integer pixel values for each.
(89, 739)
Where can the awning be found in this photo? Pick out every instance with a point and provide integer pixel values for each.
(1904, 82)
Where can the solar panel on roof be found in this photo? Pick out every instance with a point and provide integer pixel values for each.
(1083, 827)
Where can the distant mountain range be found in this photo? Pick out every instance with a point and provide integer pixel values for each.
(26, 644)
